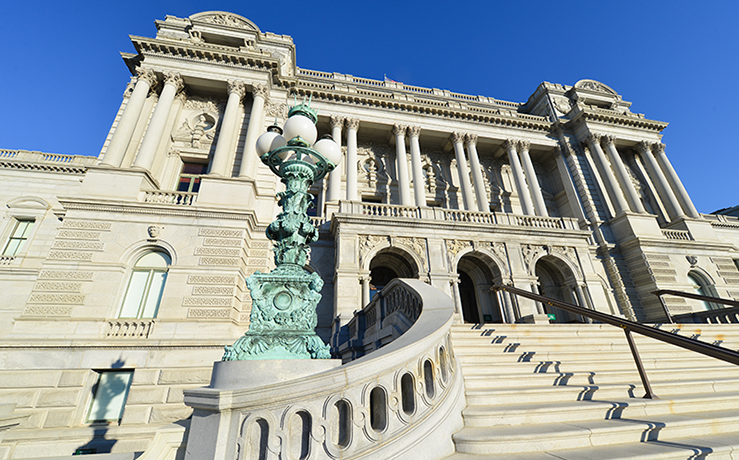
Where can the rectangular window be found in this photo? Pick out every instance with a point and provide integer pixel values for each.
(110, 396)
(190, 177)
(18, 237)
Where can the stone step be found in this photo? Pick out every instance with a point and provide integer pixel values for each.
(596, 409)
(714, 447)
(568, 435)
(589, 341)
(481, 357)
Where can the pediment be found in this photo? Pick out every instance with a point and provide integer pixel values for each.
(226, 19)
(29, 202)
(597, 86)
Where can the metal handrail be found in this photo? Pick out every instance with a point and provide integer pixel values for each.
(689, 295)
(706, 349)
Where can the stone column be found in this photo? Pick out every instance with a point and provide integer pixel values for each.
(464, 172)
(352, 125)
(365, 280)
(127, 123)
(483, 205)
(660, 182)
(518, 178)
(249, 160)
(675, 184)
(419, 189)
(623, 176)
(172, 84)
(401, 165)
(528, 168)
(219, 166)
(617, 198)
(334, 177)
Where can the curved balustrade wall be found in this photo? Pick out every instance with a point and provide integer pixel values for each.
(403, 400)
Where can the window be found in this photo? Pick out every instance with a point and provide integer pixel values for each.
(111, 391)
(701, 287)
(18, 236)
(144, 291)
(190, 177)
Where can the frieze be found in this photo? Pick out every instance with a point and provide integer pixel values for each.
(263, 254)
(276, 110)
(454, 247)
(218, 261)
(202, 104)
(367, 243)
(221, 242)
(209, 313)
(78, 245)
(258, 262)
(217, 252)
(57, 298)
(86, 225)
(78, 235)
(221, 232)
(417, 245)
(207, 301)
(226, 19)
(70, 255)
(213, 290)
(567, 252)
(530, 252)
(57, 286)
(65, 275)
(47, 310)
(207, 279)
(259, 244)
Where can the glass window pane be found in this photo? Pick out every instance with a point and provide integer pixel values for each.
(184, 184)
(134, 294)
(194, 168)
(24, 228)
(154, 260)
(195, 185)
(155, 295)
(12, 248)
(110, 396)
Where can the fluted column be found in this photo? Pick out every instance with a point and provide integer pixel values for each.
(658, 178)
(334, 178)
(402, 165)
(617, 198)
(352, 125)
(675, 184)
(127, 123)
(483, 204)
(523, 191)
(419, 190)
(236, 91)
(528, 168)
(464, 172)
(623, 176)
(172, 84)
(249, 159)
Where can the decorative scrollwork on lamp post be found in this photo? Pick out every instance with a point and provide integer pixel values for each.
(283, 316)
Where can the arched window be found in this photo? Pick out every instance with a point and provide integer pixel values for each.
(144, 290)
(701, 287)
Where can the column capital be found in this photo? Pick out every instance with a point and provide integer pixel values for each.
(457, 137)
(399, 130)
(414, 131)
(259, 90)
(146, 74)
(510, 145)
(594, 138)
(524, 145)
(238, 87)
(174, 79)
(658, 147)
(470, 139)
(608, 139)
(644, 147)
(336, 121)
(352, 123)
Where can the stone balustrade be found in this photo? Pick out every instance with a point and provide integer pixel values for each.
(717, 316)
(129, 328)
(168, 197)
(388, 210)
(453, 215)
(683, 235)
(396, 398)
(6, 260)
(41, 157)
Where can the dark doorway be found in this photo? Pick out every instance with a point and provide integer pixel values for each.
(467, 297)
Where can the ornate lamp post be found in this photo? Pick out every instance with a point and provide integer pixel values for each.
(283, 316)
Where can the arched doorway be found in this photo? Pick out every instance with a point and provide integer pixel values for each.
(477, 273)
(387, 265)
(557, 281)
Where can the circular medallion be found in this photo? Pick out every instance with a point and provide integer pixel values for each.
(282, 300)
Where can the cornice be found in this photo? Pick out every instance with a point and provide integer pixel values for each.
(26, 166)
(588, 114)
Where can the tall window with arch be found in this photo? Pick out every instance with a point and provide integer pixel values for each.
(145, 286)
(701, 287)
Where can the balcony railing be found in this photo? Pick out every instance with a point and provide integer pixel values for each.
(176, 198)
(683, 235)
(129, 328)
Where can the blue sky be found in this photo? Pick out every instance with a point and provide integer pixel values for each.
(62, 77)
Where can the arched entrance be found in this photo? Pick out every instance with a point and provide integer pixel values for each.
(477, 273)
(556, 280)
(387, 265)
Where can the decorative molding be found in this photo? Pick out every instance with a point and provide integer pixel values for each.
(211, 279)
(369, 242)
(91, 245)
(218, 261)
(417, 245)
(154, 231)
(530, 252)
(225, 19)
(65, 275)
(222, 242)
(78, 235)
(57, 286)
(221, 232)
(57, 298)
(213, 290)
(86, 225)
(209, 313)
(217, 252)
(70, 255)
(207, 301)
(454, 247)
(47, 310)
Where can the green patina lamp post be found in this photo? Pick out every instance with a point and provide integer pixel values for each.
(283, 316)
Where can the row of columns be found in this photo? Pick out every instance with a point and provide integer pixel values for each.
(621, 190)
(229, 130)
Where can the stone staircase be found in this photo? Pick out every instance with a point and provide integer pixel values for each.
(569, 392)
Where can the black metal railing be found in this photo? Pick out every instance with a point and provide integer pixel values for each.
(689, 295)
(703, 348)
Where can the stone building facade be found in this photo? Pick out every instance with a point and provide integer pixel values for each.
(130, 266)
